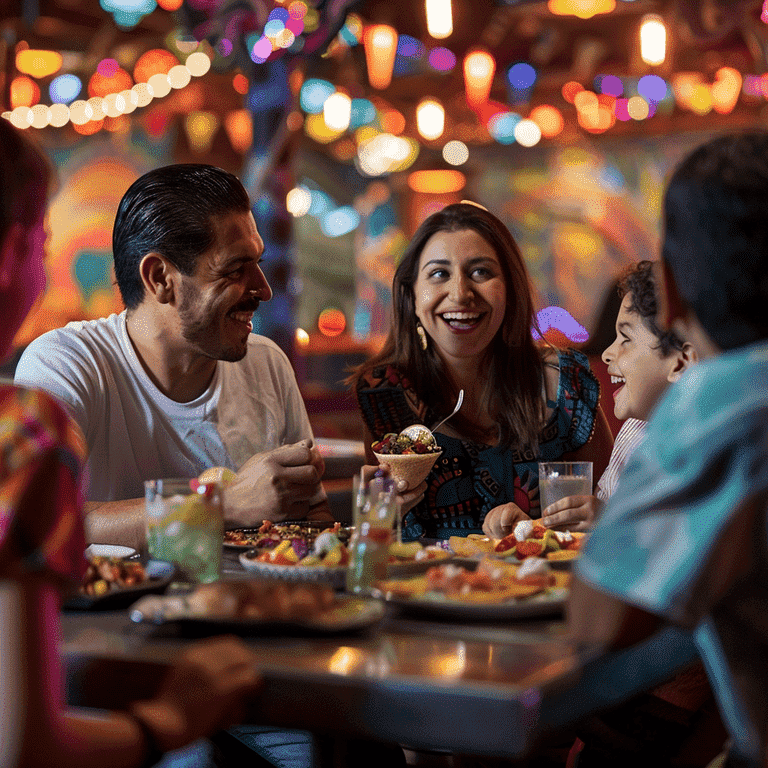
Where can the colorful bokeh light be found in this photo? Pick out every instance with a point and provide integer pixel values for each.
(331, 322)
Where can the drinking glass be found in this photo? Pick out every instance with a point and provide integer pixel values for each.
(186, 526)
(374, 512)
(558, 479)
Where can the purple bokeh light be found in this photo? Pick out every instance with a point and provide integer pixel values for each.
(559, 319)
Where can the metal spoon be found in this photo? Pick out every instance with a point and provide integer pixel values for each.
(415, 431)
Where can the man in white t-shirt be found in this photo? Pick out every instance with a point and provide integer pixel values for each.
(177, 383)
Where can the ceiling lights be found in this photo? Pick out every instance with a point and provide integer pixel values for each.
(380, 42)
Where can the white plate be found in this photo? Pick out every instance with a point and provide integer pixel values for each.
(108, 550)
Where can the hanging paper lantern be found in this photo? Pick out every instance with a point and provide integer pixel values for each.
(479, 69)
(380, 42)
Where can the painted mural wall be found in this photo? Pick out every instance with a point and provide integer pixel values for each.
(581, 214)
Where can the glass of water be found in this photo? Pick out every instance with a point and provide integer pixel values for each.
(559, 479)
(185, 526)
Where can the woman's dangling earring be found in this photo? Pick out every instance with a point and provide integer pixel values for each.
(422, 334)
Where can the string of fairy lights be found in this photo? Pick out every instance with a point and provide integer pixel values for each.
(112, 104)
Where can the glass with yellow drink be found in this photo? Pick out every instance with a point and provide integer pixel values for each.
(185, 526)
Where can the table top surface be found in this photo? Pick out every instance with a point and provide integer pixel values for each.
(421, 673)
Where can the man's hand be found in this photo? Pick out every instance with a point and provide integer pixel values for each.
(277, 485)
(575, 513)
(501, 520)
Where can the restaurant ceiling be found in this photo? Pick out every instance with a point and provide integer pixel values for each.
(704, 36)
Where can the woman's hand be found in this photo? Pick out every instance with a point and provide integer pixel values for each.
(575, 513)
(204, 691)
(500, 521)
(407, 498)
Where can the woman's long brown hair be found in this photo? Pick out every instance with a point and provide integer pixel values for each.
(515, 370)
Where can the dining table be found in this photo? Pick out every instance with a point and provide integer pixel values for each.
(473, 687)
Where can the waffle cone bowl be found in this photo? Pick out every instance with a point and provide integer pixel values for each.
(410, 467)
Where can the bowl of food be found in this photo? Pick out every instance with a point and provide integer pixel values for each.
(410, 456)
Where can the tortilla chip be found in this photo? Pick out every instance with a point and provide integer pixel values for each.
(474, 544)
(563, 554)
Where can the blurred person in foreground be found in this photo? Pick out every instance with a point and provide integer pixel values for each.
(678, 718)
(463, 317)
(42, 548)
(177, 383)
(684, 537)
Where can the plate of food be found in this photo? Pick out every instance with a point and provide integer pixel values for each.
(268, 535)
(528, 539)
(413, 557)
(259, 607)
(325, 560)
(111, 583)
(484, 590)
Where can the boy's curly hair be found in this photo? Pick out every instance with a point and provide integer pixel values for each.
(640, 283)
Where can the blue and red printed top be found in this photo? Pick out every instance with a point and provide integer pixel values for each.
(470, 479)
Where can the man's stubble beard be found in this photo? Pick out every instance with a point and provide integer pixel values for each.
(198, 331)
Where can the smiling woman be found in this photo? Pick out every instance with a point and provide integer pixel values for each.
(463, 319)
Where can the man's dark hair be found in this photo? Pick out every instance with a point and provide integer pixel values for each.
(716, 238)
(640, 284)
(169, 211)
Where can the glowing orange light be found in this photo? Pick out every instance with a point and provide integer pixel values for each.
(549, 120)
(570, 90)
(380, 42)
(170, 5)
(201, 128)
(479, 69)
(24, 92)
(436, 182)
(606, 100)
(89, 128)
(584, 9)
(154, 62)
(726, 90)
(596, 120)
(120, 124)
(295, 81)
(240, 84)
(392, 122)
(239, 127)
(331, 322)
(101, 85)
(295, 120)
(38, 63)
(585, 100)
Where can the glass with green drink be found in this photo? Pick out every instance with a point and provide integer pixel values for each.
(185, 526)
